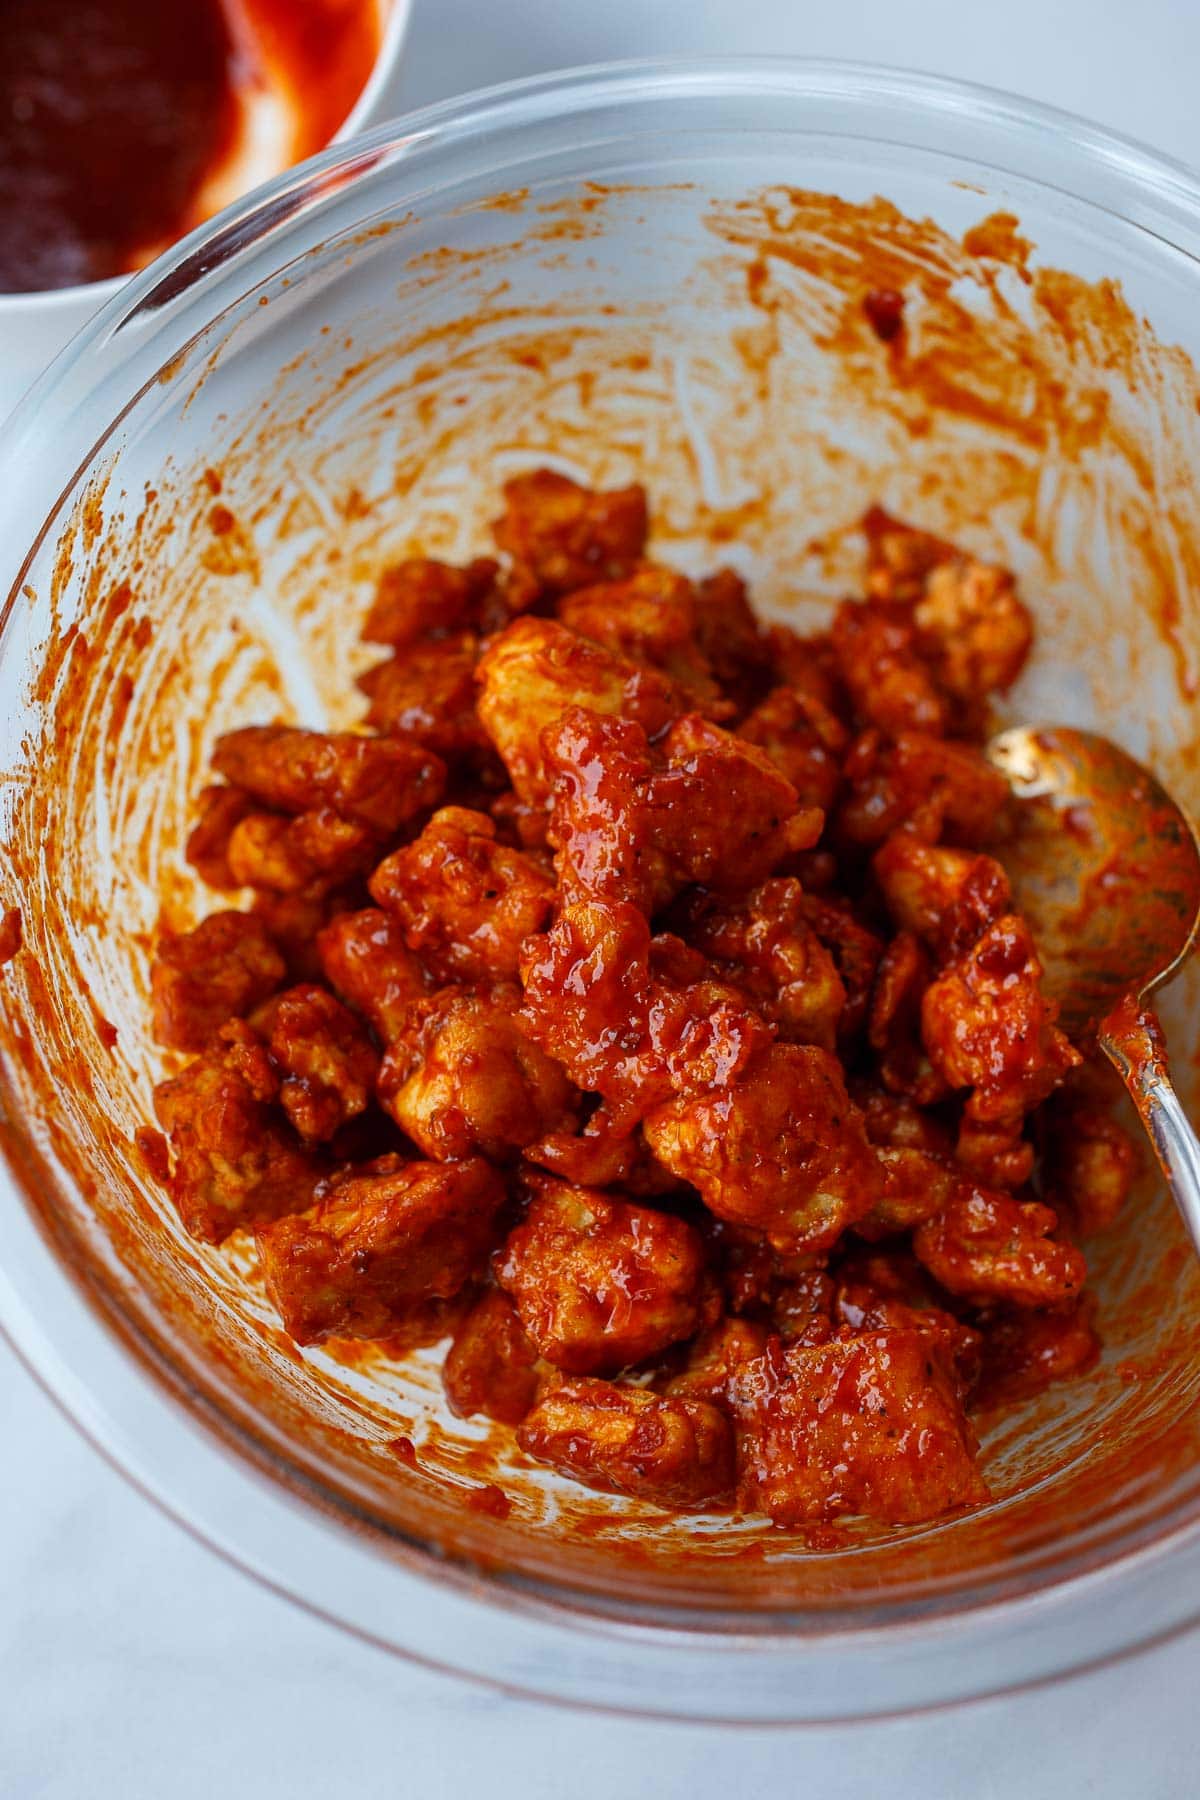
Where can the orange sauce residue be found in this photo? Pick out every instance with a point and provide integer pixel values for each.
(10, 934)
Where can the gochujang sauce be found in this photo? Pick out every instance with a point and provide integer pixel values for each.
(120, 120)
(111, 113)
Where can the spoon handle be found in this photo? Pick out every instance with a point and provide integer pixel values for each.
(1138, 1053)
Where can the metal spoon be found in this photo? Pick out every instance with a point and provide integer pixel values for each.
(1106, 867)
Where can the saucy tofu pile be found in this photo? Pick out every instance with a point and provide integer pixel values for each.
(638, 1000)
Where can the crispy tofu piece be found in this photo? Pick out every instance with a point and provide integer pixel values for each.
(805, 661)
(492, 1367)
(382, 1238)
(420, 596)
(222, 969)
(855, 951)
(804, 739)
(763, 942)
(603, 822)
(602, 1155)
(996, 1153)
(973, 628)
(281, 855)
(782, 1150)
(946, 897)
(598, 1156)
(219, 808)
(1091, 1161)
(381, 782)
(734, 644)
(599, 1283)
(629, 825)
(976, 631)
(631, 1018)
(464, 1078)
(465, 901)
(987, 1246)
(293, 921)
(587, 989)
(894, 1022)
(870, 1425)
(789, 1291)
(987, 1026)
(900, 559)
(702, 1031)
(874, 1294)
(879, 664)
(326, 1062)
(650, 618)
(713, 1358)
(728, 816)
(945, 789)
(534, 669)
(676, 1453)
(896, 1121)
(1025, 1352)
(694, 1014)
(801, 1308)
(428, 1322)
(365, 957)
(426, 692)
(561, 535)
(916, 1186)
(235, 1159)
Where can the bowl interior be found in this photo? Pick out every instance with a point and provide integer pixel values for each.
(689, 317)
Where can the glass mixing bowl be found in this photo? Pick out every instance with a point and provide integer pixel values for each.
(636, 270)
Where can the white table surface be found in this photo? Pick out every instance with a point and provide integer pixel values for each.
(135, 1664)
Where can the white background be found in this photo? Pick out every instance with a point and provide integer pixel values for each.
(134, 1664)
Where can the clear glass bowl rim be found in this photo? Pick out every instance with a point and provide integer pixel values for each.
(431, 1611)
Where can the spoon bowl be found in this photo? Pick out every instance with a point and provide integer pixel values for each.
(1103, 863)
(1106, 868)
